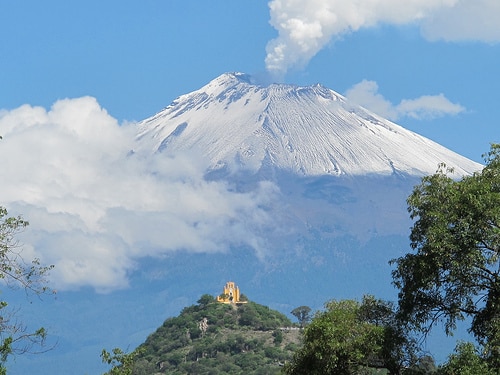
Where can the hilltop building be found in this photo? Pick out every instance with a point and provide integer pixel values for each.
(230, 294)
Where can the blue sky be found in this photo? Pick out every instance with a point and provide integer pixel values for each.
(134, 58)
(75, 75)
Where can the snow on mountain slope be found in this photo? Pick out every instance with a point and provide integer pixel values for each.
(309, 131)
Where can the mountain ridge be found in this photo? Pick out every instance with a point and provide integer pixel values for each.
(309, 130)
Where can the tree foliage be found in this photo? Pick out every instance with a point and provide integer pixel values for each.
(399, 349)
(205, 299)
(454, 269)
(245, 338)
(122, 362)
(424, 365)
(16, 273)
(348, 337)
(13, 268)
(466, 360)
(303, 314)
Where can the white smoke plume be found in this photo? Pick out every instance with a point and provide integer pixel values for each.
(306, 27)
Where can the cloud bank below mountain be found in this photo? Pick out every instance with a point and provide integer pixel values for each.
(95, 207)
(98, 202)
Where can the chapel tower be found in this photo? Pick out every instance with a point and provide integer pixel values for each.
(230, 294)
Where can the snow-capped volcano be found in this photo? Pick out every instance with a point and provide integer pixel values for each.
(309, 131)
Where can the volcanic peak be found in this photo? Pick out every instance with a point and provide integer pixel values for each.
(306, 130)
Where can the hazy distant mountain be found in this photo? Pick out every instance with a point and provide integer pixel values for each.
(322, 210)
(309, 131)
(340, 169)
(338, 177)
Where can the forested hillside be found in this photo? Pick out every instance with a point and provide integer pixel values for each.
(216, 338)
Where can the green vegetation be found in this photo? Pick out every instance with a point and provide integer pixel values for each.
(216, 338)
(353, 338)
(303, 314)
(467, 361)
(454, 272)
(123, 363)
(14, 337)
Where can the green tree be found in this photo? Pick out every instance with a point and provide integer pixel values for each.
(303, 314)
(344, 339)
(205, 299)
(278, 336)
(16, 273)
(399, 349)
(123, 363)
(424, 365)
(466, 360)
(454, 269)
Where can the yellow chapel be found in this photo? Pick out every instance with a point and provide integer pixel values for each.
(230, 294)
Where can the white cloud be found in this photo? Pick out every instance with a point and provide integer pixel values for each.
(366, 94)
(95, 208)
(471, 20)
(305, 27)
(428, 107)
